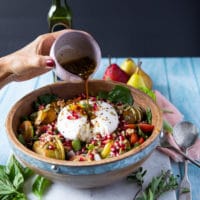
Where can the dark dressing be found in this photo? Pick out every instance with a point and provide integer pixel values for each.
(82, 67)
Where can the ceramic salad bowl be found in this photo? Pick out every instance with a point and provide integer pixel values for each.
(86, 174)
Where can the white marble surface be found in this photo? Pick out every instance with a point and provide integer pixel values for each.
(122, 190)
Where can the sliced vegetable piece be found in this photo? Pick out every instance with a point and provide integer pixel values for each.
(133, 114)
(45, 116)
(50, 116)
(41, 114)
(53, 148)
(26, 130)
(106, 150)
(76, 145)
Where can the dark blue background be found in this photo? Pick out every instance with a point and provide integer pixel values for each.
(145, 28)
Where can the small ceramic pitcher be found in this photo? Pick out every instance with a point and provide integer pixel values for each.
(72, 45)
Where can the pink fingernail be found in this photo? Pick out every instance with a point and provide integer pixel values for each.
(50, 63)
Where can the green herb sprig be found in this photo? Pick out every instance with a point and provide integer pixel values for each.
(157, 186)
(138, 177)
(12, 179)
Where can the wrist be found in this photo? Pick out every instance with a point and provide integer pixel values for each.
(5, 72)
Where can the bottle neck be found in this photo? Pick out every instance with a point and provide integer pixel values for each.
(59, 3)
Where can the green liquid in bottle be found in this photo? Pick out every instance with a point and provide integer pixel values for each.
(59, 16)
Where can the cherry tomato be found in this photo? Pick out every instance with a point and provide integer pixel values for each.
(146, 128)
(134, 138)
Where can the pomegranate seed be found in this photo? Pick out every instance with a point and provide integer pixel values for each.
(105, 141)
(117, 154)
(121, 137)
(112, 154)
(83, 150)
(67, 143)
(95, 107)
(51, 147)
(93, 98)
(98, 136)
(78, 152)
(109, 137)
(93, 141)
(91, 156)
(81, 159)
(113, 149)
(123, 146)
(121, 143)
(43, 129)
(50, 132)
(41, 107)
(114, 135)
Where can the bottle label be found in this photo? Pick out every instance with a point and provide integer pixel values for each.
(59, 27)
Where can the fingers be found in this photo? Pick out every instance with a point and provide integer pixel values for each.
(33, 67)
(41, 62)
(45, 41)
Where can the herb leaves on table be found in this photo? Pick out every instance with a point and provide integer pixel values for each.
(12, 180)
(160, 184)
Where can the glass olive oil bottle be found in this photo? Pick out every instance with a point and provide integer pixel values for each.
(59, 16)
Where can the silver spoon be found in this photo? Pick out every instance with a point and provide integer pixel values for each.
(185, 134)
(164, 143)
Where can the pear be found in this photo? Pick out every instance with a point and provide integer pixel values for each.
(128, 66)
(136, 80)
(115, 73)
(147, 79)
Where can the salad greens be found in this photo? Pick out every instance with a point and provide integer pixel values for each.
(119, 94)
(149, 92)
(12, 179)
(44, 99)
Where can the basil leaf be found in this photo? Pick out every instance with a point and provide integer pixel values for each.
(14, 166)
(119, 94)
(44, 100)
(15, 173)
(40, 185)
(6, 186)
(27, 173)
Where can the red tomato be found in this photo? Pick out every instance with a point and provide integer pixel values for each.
(130, 126)
(134, 138)
(146, 128)
(141, 140)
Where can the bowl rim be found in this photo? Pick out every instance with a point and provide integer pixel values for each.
(17, 144)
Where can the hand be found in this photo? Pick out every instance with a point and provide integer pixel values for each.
(30, 61)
